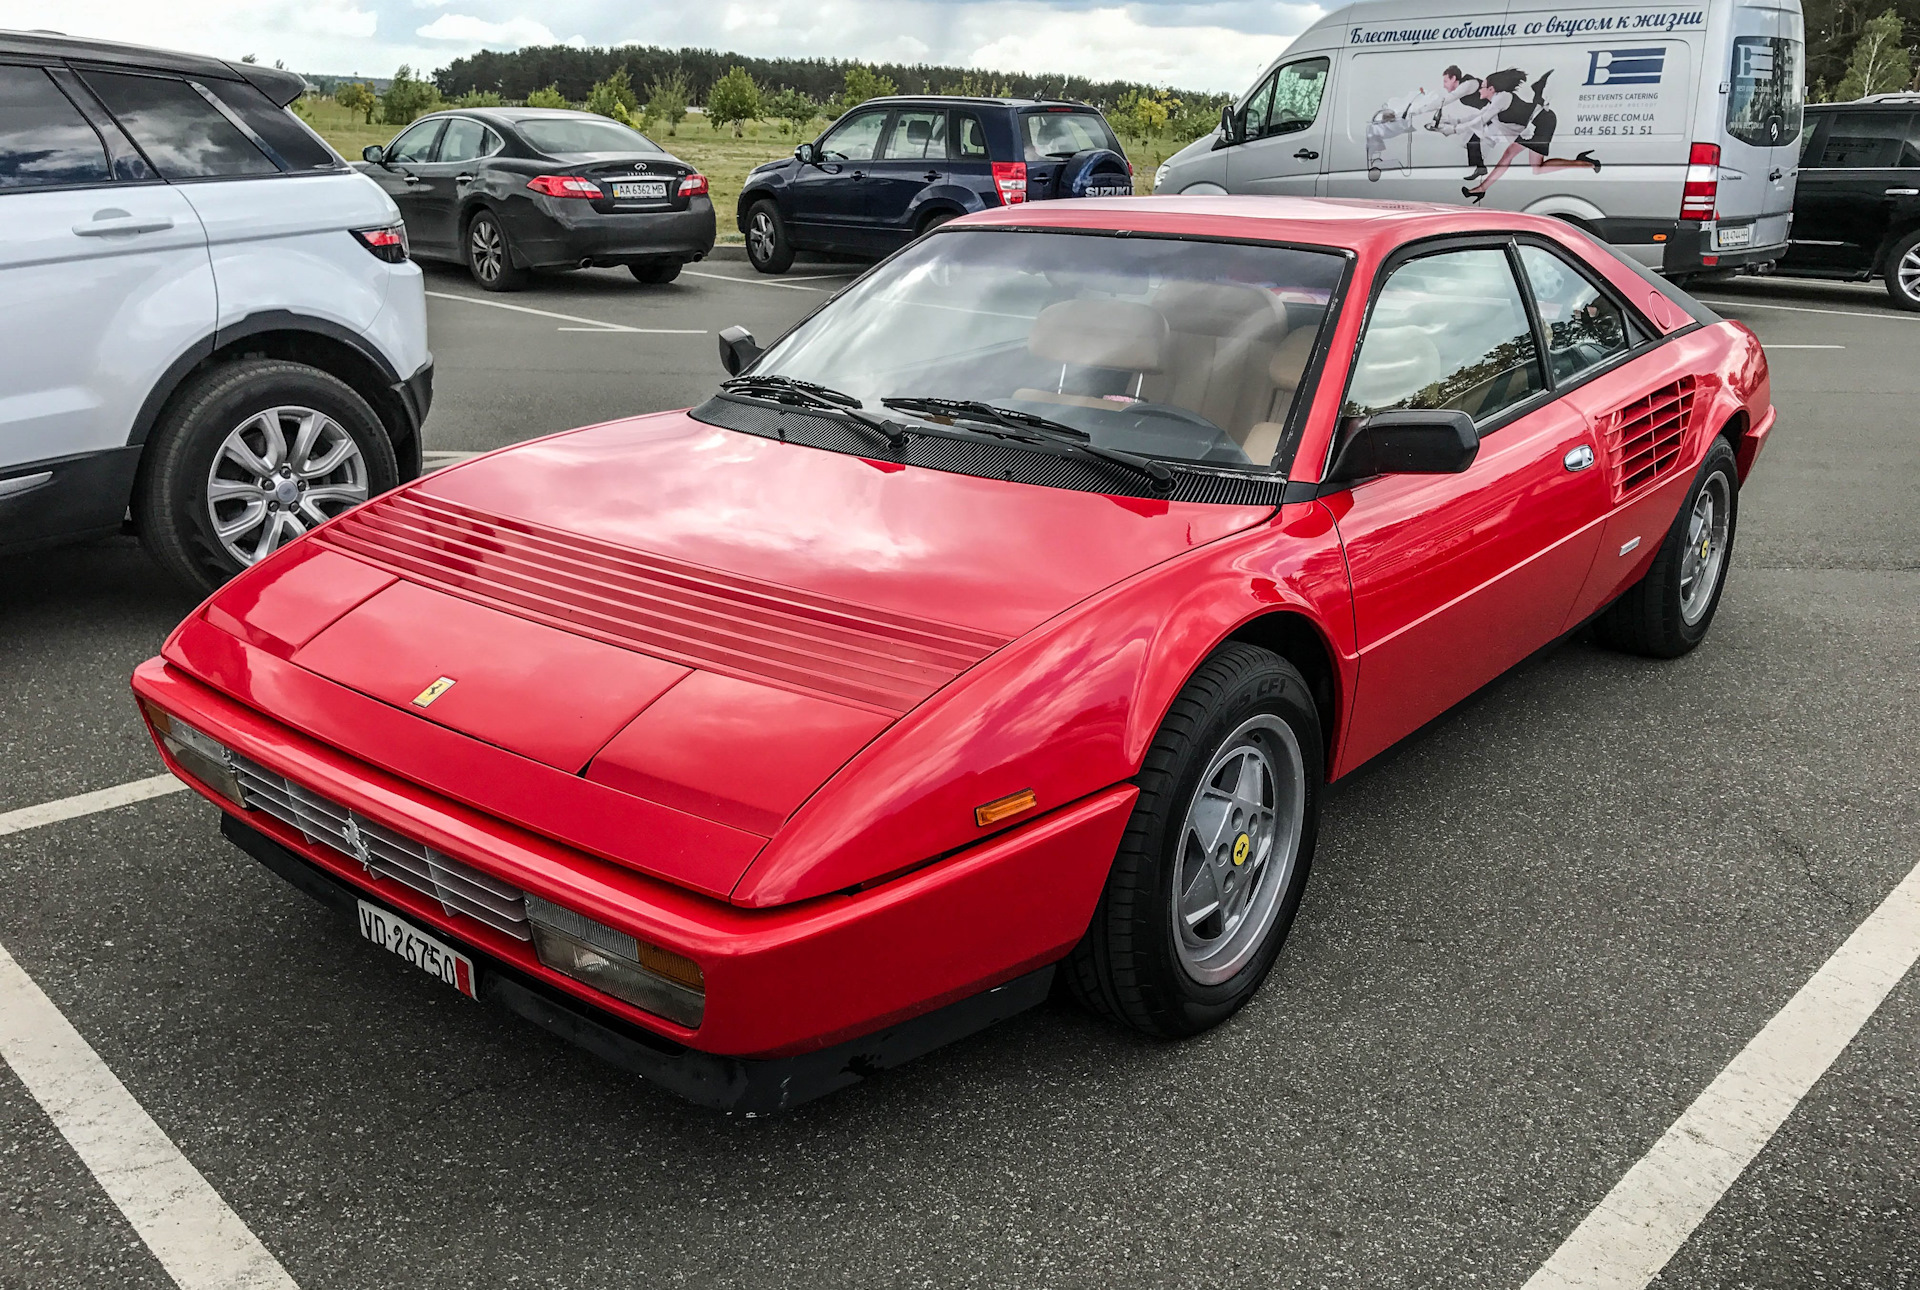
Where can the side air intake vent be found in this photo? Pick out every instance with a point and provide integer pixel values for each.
(1643, 438)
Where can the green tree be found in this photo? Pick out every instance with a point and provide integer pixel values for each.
(613, 97)
(478, 98)
(407, 97)
(793, 109)
(667, 101)
(358, 96)
(1144, 113)
(864, 83)
(1879, 63)
(733, 100)
(550, 97)
(978, 85)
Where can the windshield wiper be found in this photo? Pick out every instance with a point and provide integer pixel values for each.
(1025, 427)
(796, 393)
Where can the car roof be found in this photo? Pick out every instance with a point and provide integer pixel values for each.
(1351, 224)
(900, 100)
(283, 87)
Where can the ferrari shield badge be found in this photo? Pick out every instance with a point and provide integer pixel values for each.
(425, 698)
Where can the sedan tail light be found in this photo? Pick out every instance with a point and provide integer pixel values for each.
(389, 241)
(1702, 188)
(1010, 181)
(693, 186)
(565, 186)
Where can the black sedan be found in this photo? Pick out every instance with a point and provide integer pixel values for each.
(506, 191)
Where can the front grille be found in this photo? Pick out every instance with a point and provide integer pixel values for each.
(1643, 438)
(460, 889)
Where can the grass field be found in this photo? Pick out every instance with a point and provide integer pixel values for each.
(723, 159)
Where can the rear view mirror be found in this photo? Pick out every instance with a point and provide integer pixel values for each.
(807, 154)
(374, 153)
(1407, 442)
(738, 349)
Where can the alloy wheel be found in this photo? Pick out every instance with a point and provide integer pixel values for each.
(276, 475)
(1706, 549)
(1237, 848)
(484, 244)
(1907, 273)
(760, 239)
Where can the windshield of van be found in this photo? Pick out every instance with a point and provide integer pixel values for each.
(1185, 350)
(1766, 96)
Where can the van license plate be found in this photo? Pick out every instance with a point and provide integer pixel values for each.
(1741, 236)
(640, 189)
(434, 957)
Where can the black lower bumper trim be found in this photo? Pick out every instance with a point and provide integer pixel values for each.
(724, 1083)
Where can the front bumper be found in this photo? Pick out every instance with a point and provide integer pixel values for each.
(567, 232)
(779, 982)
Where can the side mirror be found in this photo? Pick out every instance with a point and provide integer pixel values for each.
(374, 153)
(807, 154)
(1407, 442)
(738, 349)
(1229, 128)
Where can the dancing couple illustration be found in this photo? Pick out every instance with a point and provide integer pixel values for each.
(1490, 111)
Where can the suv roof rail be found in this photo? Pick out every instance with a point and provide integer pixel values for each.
(1891, 96)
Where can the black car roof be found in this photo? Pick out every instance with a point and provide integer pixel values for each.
(946, 99)
(283, 87)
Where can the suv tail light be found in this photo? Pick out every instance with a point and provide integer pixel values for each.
(1010, 181)
(565, 186)
(693, 186)
(389, 241)
(1702, 188)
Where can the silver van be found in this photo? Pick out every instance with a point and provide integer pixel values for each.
(1672, 133)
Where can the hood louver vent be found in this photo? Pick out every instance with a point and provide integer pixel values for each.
(1643, 438)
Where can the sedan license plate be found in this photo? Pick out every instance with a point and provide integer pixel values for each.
(434, 957)
(639, 188)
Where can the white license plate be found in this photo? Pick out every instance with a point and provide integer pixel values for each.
(640, 188)
(1741, 236)
(434, 957)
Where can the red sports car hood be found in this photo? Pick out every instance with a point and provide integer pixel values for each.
(707, 620)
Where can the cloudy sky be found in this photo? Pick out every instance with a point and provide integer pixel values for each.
(1197, 45)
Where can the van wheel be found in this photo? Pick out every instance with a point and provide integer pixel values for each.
(1903, 271)
(767, 244)
(249, 456)
(490, 255)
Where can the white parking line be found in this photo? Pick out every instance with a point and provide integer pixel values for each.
(753, 282)
(202, 1244)
(593, 324)
(1806, 346)
(1629, 1237)
(104, 799)
(1805, 309)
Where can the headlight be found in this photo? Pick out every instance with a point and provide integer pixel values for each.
(664, 983)
(201, 755)
(1160, 176)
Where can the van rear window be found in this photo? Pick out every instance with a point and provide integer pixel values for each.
(1765, 100)
(1053, 135)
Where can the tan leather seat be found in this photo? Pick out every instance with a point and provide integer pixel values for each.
(1222, 343)
(1112, 335)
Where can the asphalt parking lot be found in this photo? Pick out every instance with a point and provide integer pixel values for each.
(1536, 931)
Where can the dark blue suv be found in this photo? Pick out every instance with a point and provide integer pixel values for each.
(890, 169)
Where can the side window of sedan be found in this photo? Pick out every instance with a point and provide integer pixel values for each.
(1585, 328)
(416, 145)
(855, 139)
(466, 140)
(1447, 331)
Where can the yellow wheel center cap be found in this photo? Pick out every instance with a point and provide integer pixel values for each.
(1241, 846)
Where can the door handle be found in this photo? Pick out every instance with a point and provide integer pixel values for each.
(1306, 154)
(1903, 192)
(463, 179)
(1773, 175)
(859, 174)
(413, 181)
(1578, 457)
(113, 223)
(931, 175)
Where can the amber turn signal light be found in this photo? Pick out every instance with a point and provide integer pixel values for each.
(1001, 808)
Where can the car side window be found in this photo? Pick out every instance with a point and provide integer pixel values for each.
(183, 135)
(1448, 330)
(1864, 141)
(1253, 113)
(1297, 90)
(44, 140)
(299, 147)
(1585, 328)
(970, 137)
(855, 138)
(465, 140)
(917, 135)
(416, 145)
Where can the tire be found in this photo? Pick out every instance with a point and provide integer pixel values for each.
(1668, 612)
(768, 248)
(934, 221)
(657, 274)
(490, 254)
(1146, 961)
(190, 528)
(1903, 271)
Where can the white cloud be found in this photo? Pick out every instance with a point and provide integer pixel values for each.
(478, 32)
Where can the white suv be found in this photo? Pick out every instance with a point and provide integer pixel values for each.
(209, 325)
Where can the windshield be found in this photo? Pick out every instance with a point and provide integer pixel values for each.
(558, 134)
(1056, 136)
(1191, 351)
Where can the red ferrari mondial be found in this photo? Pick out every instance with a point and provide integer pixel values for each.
(997, 627)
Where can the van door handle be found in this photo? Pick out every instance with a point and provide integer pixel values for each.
(113, 223)
(1903, 192)
(1306, 154)
(1578, 457)
(1774, 175)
